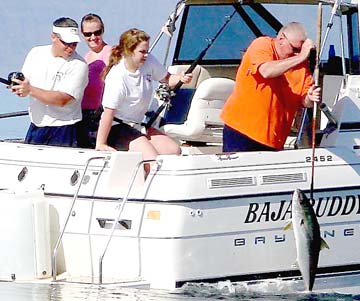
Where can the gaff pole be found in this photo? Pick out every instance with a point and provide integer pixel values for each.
(316, 80)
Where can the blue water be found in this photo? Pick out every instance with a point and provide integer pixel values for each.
(191, 292)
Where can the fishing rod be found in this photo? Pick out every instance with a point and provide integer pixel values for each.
(5, 81)
(171, 93)
(13, 114)
(316, 80)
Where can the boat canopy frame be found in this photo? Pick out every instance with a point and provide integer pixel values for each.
(344, 5)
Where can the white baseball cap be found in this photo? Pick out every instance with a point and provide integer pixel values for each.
(68, 34)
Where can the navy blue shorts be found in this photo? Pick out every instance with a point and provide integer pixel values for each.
(234, 141)
(52, 135)
(121, 135)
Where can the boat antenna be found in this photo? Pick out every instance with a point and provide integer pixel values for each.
(316, 80)
(166, 94)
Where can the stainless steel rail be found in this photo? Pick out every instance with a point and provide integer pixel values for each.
(111, 234)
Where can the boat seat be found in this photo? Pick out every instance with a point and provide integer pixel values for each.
(331, 87)
(184, 94)
(199, 75)
(199, 120)
(330, 90)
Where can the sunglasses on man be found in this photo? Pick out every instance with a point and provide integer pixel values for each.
(294, 49)
(73, 44)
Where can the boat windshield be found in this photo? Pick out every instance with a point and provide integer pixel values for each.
(201, 22)
(248, 22)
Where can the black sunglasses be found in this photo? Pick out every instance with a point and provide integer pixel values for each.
(95, 33)
(73, 44)
(294, 49)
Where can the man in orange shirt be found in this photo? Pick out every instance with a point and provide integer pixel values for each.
(273, 81)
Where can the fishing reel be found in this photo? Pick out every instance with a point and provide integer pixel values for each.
(164, 93)
(12, 75)
(15, 75)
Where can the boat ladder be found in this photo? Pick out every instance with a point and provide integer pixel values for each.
(111, 234)
(118, 218)
(53, 259)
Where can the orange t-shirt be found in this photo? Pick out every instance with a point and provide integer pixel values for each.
(263, 109)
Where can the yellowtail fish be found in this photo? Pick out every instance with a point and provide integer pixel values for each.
(307, 237)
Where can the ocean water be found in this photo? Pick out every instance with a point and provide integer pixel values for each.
(268, 291)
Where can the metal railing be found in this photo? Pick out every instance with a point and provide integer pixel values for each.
(125, 199)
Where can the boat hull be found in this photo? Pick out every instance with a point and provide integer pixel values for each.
(199, 218)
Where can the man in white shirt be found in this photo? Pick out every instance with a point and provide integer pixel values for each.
(55, 79)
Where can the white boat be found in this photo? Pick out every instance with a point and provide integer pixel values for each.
(78, 215)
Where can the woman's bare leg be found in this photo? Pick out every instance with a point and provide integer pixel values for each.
(143, 145)
(163, 144)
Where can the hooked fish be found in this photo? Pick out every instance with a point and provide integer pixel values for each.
(307, 237)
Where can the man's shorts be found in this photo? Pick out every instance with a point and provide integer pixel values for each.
(234, 141)
(52, 135)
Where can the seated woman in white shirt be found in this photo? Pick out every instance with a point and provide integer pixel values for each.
(127, 94)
